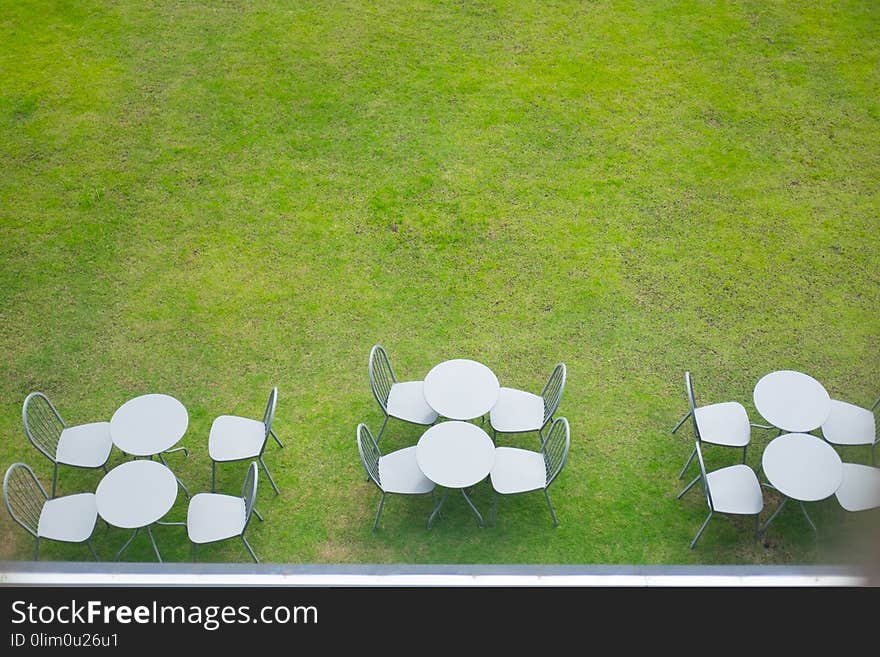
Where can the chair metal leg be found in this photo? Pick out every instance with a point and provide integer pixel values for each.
(382, 430)
(473, 508)
(127, 543)
(54, 479)
(702, 529)
(213, 476)
(810, 520)
(179, 482)
(271, 481)
(744, 452)
(688, 464)
(277, 440)
(250, 549)
(681, 421)
(436, 511)
(550, 506)
(379, 511)
(688, 487)
(105, 468)
(257, 513)
(37, 549)
(92, 549)
(775, 513)
(494, 512)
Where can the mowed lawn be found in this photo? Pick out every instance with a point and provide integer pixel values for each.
(209, 199)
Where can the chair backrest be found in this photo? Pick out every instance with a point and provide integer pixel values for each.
(42, 423)
(689, 386)
(381, 375)
(552, 392)
(555, 448)
(24, 496)
(704, 478)
(370, 454)
(269, 413)
(249, 493)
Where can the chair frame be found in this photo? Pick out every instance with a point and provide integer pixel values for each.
(872, 447)
(704, 484)
(555, 455)
(27, 515)
(33, 429)
(693, 416)
(249, 494)
(268, 417)
(552, 396)
(369, 451)
(382, 379)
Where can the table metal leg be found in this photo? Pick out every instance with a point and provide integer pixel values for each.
(773, 517)
(809, 520)
(179, 482)
(153, 541)
(437, 508)
(127, 543)
(471, 504)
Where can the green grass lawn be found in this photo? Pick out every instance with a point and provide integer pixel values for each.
(208, 199)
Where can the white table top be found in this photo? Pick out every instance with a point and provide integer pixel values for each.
(136, 494)
(792, 401)
(148, 425)
(455, 454)
(802, 467)
(461, 389)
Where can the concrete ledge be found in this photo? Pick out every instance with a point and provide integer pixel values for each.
(83, 574)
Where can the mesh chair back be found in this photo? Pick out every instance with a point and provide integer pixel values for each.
(42, 423)
(249, 493)
(369, 452)
(24, 496)
(693, 404)
(269, 413)
(555, 449)
(381, 375)
(552, 392)
(704, 478)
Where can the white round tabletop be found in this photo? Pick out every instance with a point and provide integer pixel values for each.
(455, 454)
(136, 494)
(461, 389)
(148, 425)
(792, 401)
(802, 467)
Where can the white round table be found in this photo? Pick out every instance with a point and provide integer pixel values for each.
(461, 389)
(802, 468)
(792, 401)
(455, 455)
(150, 425)
(134, 495)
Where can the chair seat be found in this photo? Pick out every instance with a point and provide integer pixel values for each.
(70, 518)
(849, 425)
(725, 424)
(517, 411)
(399, 473)
(860, 489)
(406, 401)
(517, 470)
(85, 445)
(214, 517)
(233, 438)
(736, 490)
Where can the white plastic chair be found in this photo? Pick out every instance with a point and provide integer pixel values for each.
(860, 488)
(235, 438)
(733, 490)
(69, 519)
(404, 400)
(522, 471)
(517, 411)
(213, 517)
(849, 425)
(397, 472)
(81, 446)
(725, 424)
